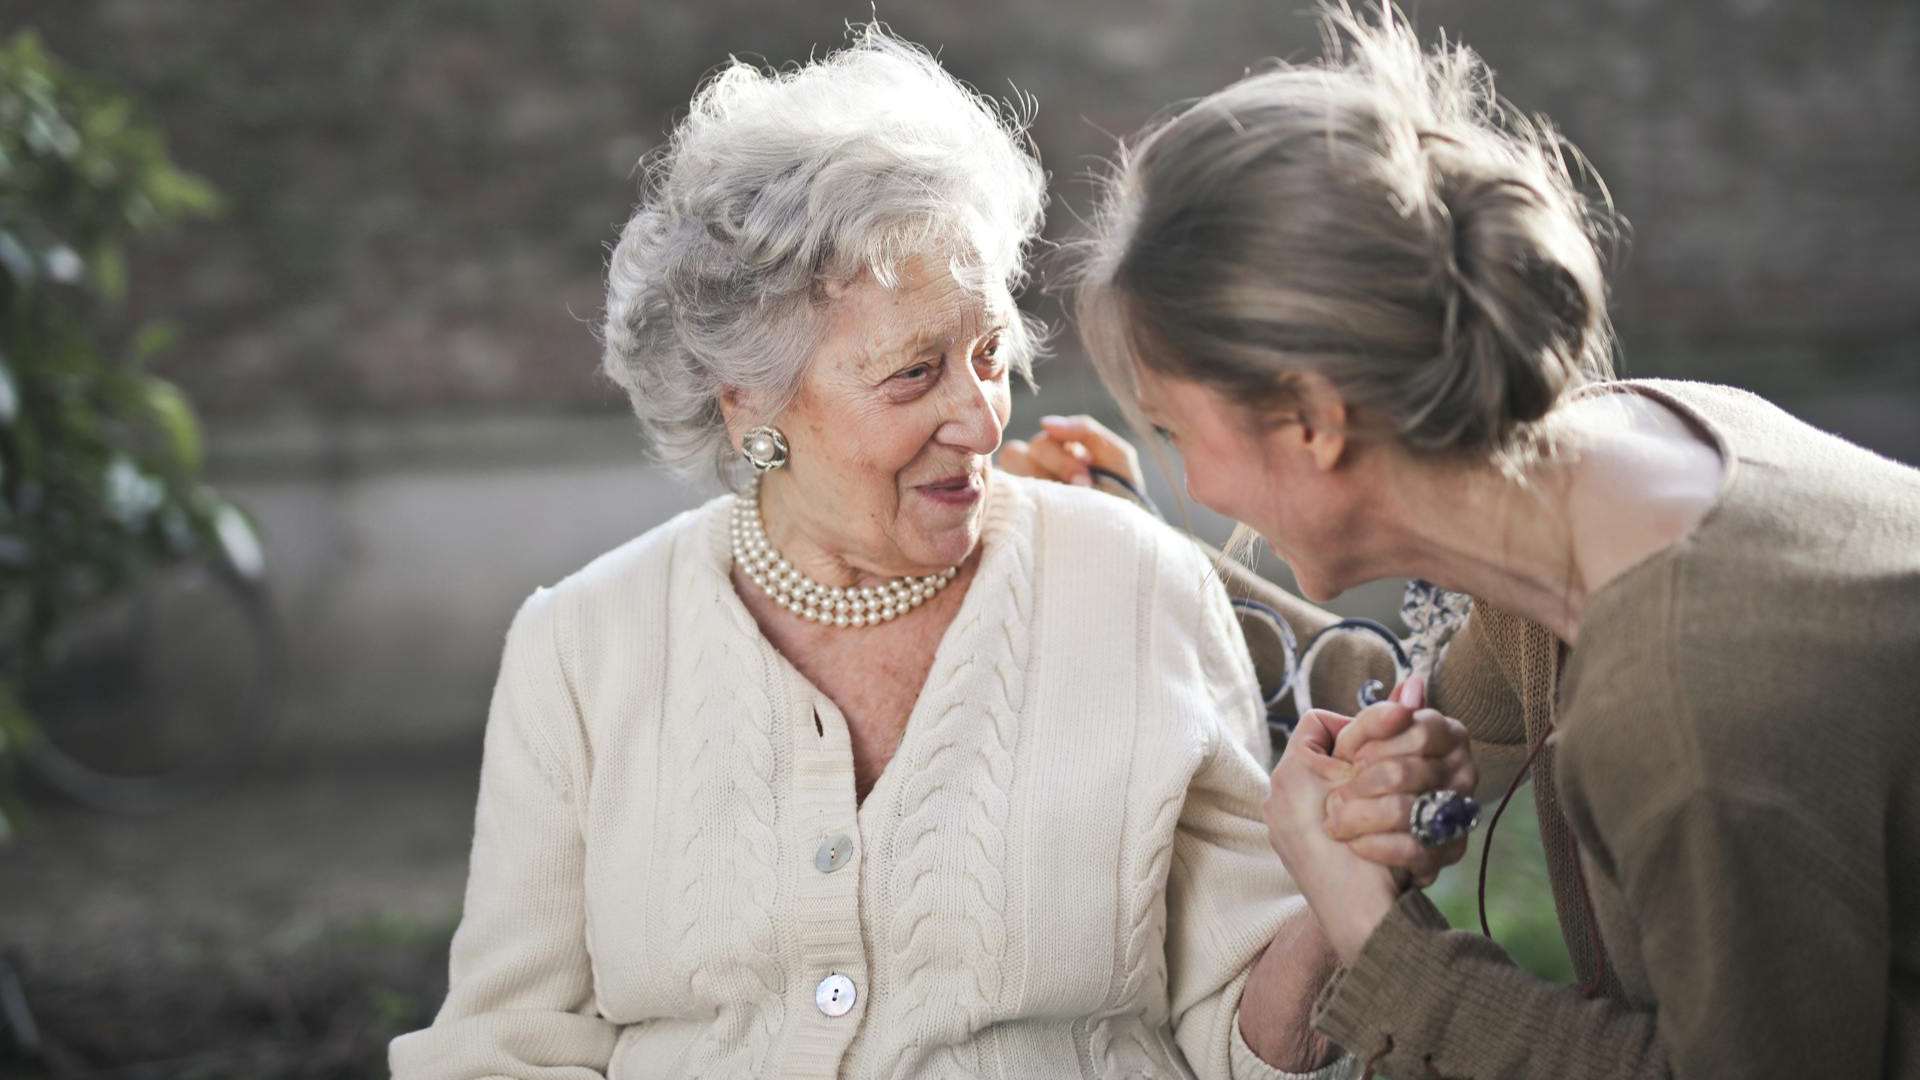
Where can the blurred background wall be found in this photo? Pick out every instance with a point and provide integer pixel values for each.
(390, 330)
(388, 334)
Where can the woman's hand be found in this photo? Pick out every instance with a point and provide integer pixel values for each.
(1398, 751)
(1065, 449)
(1349, 894)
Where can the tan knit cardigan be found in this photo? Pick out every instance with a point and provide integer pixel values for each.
(1726, 788)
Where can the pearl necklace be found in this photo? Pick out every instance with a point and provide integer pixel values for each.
(831, 605)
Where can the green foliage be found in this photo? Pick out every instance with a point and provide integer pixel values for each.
(99, 457)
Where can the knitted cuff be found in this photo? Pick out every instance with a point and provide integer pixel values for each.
(1362, 1000)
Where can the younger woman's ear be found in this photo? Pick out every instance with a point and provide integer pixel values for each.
(1323, 420)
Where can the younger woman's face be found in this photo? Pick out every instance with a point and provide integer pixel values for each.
(1271, 473)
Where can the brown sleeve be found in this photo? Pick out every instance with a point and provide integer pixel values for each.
(1477, 683)
(1423, 1000)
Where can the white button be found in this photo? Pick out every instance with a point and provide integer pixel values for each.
(835, 995)
(834, 853)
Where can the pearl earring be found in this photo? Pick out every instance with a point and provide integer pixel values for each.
(765, 448)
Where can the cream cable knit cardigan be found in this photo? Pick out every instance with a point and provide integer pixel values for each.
(1063, 871)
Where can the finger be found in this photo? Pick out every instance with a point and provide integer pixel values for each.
(1403, 775)
(1430, 734)
(1080, 426)
(1448, 855)
(1109, 451)
(1412, 692)
(1013, 458)
(1055, 462)
(1403, 852)
(1465, 775)
(1442, 858)
(1330, 770)
(1348, 819)
(1316, 731)
(1455, 772)
(1375, 723)
(1420, 865)
(1397, 850)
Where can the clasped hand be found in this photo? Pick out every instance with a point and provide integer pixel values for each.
(1342, 797)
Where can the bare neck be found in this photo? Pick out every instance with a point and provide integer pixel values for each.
(1504, 540)
(1632, 478)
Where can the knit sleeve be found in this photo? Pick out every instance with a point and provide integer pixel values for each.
(1227, 892)
(1477, 683)
(1232, 675)
(520, 1002)
(1422, 999)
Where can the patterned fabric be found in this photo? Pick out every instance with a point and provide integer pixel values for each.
(1433, 615)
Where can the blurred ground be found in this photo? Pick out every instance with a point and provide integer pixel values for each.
(286, 927)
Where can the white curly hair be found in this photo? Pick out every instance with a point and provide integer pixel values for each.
(779, 185)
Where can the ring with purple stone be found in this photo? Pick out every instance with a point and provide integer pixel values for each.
(1438, 818)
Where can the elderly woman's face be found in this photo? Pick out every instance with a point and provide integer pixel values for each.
(895, 425)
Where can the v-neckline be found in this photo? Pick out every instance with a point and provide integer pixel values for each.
(988, 582)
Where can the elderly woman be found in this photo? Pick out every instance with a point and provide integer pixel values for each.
(1366, 305)
(866, 770)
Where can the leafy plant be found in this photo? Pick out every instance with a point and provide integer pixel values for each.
(100, 459)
